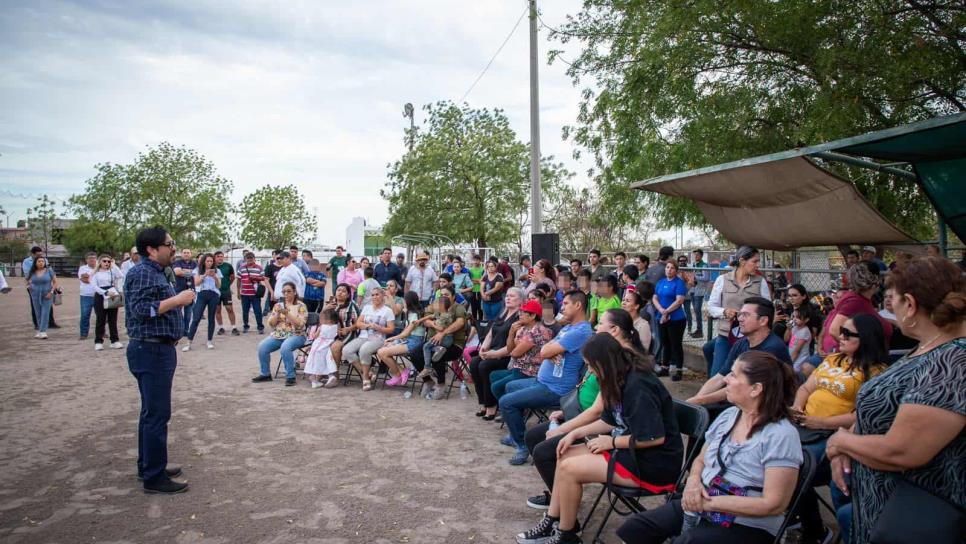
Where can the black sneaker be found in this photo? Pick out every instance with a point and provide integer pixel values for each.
(245, 330)
(170, 472)
(541, 533)
(234, 332)
(261, 331)
(676, 377)
(289, 382)
(261, 378)
(563, 538)
(167, 487)
(662, 372)
(697, 334)
(221, 332)
(540, 502)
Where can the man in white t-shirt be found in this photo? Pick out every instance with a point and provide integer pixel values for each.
(85, 274)
(421, 279)
(128, 264)
(289, 273)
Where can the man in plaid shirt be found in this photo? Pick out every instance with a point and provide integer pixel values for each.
(154, 324)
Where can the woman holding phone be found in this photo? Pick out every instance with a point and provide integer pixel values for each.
(207, 280)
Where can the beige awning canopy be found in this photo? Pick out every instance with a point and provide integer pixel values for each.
(781, 204)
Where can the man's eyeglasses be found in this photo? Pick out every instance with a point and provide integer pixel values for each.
(169, 244)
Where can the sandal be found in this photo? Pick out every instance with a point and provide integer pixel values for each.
(366, 385)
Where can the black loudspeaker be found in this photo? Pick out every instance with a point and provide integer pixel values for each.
(546, 246)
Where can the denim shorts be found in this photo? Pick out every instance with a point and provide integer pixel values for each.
(415, 343)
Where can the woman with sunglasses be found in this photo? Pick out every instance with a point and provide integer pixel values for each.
(288, 318)
(207, 280)
(827, 401)
(351, 275)
(106, 283)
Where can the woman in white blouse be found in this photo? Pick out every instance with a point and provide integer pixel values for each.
(106, 282)
(207, 279)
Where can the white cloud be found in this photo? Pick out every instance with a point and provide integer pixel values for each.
(307, 93)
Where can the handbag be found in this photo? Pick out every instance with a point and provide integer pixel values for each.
(570, 404)
(811, 436)
(720, 486)
(58, 298)
(913, 514)
(113, 302)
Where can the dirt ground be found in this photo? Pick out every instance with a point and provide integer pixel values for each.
(266, 463)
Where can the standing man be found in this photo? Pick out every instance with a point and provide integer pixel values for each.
(401, 263)
(288, 272)
(271, 269)
(509, 276)
(25, 266)
(576, 266)
(85, 274)
(315, 282)
(702, 287)
(335, 264)
(249, 284)
(597, 270)
(303, 266)
(152, 315)
(642, 262)
(421, 278)
(183, 269)
(386, 270)
(522, 272)
(656, 271)
(224, 289)
(869, 254)
(128, 264)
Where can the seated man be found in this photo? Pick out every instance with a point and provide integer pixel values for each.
(755, 320)
(558, 375)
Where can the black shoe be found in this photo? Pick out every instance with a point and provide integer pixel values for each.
(490, 417)
(541, 533)
(261, 331)
(662, 373)
(167, 487)
(697, 334)
(234, 332)
(171, 472)
(221, 332)
(540, 502)
(481, 413)
(261, 378)
(676, 377)
(245, 330)
(289, 382)
(53, 326)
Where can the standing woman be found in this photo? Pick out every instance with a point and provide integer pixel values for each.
(491, 291)
(462, 281)
(348, 314)
(909, 420)
(42, 282)
(207, 280)
(668, 298)
(288, 317)
(350, 275)
(727, 295)
(105, 282)
(397, 304)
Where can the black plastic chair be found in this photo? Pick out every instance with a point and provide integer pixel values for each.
(311, 320)
(693, 421)
(806, 474)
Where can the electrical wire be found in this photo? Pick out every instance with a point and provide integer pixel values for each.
(493, 58)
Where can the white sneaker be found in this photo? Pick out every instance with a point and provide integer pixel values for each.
(37, 335)
(316, 385)
(332, 381)
(187, 347)
(116, 345)
(211, 346)
(98, 347)
(43, 336)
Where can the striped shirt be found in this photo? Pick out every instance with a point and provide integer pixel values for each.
(250, 274)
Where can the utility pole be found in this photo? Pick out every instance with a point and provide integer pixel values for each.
(408, 111)
(536, 201)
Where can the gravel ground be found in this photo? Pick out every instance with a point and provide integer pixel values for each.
(266, 463)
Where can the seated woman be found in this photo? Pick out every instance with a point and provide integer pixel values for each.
(751, 449)
(637, 426)
(348, 313)
(408, 341)
(288, 318)
(493, 354)
(527, 337)
(542, 440)
(633, 303)
(827, 401)
(374, 323)
(910, 419)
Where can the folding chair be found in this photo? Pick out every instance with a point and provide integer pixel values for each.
(806, 474)
(311, 320)
(692, 421)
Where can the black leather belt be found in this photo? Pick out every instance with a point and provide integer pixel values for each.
(158, 340)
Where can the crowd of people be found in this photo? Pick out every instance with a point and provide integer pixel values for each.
(585, 346)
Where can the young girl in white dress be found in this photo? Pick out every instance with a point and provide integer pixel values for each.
(320, 361)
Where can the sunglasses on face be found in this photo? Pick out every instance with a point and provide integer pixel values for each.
(106, 261)
(846, 333)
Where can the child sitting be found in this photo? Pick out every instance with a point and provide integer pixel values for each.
(320, 361)
(442, 318)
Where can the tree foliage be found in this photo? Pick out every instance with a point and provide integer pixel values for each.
(42, 222)
(680, 85)
(174, 187)
(275, 216)
(467, 177)
(582, 221)
(101, 236)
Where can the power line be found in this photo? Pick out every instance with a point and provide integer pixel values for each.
(493, 58)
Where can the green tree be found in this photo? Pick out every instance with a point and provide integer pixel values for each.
(101, 236)
(680, 85)
(275, 216)
(174, 187)
(467, 177)
(42, 222)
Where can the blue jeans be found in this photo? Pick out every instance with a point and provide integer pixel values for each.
(521, 395)
(499, 379)
(844, 516)
(206, 300)
(287, 346)
(255, 304)
(428, 346)
(153, 366)
(715, 353)
(687, 313)
(491, 310)
(696, 302)
(42, 306)
(86, 306)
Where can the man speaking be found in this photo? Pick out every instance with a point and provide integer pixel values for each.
(154, 324)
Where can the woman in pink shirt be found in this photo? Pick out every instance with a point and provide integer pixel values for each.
(350, 274)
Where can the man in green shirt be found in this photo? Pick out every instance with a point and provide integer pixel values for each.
(335, 264)
(227, 278)
(476, 276)
(606, 298)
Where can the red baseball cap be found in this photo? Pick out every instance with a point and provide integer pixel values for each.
(533, 307)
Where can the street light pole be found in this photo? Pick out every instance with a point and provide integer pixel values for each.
(408, 111)
(536, 203)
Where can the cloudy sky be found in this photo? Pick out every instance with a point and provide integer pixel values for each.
(302, 92)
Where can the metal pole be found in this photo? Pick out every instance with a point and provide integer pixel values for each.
(536, 203)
